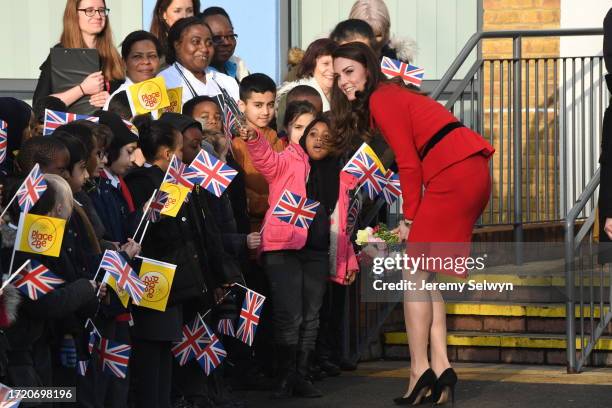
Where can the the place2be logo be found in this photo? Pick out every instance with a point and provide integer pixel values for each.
(157, 277)
(40, 234)
(176, 196)
(150, 95)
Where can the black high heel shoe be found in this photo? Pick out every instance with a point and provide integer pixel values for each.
(444, 389)
(424, 384)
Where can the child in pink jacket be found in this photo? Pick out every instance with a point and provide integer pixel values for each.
(296, 260)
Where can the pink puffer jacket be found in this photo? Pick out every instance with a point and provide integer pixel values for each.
(287, 170)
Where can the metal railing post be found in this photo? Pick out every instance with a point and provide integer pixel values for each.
(570, 322)
(517, 148)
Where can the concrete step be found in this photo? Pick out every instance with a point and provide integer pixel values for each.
(524, 348)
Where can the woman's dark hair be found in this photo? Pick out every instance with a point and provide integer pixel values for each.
(134, 37)
(351, 120)
(190, 105)
(347, 30)
(159, 28)
(153, 135)
(295, 109)
(317, 48)
(176, 32)
(74, 145)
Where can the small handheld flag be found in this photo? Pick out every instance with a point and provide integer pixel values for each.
(181, 174)
(114, 357)
(367, 168)
(6, 397)
(3, 140)
(249, 316)
(193, 342)
(213, 354)
(31, 189)
(410, 74)
(157, 277)
(37, 280)
(39, 234)
(123, 273)
(295, 209)
(82, 367)
(215, 175)
(55, 119)
(157, 205)
(392, 190)
(226, 326)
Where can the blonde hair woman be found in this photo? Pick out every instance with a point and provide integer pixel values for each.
(376, 14)
(86, 25)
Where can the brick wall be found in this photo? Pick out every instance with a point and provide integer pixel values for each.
(539, 145)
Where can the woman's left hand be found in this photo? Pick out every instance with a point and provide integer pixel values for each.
(98, 100)
(402, 231)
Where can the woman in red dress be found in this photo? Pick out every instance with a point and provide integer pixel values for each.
(445, 183)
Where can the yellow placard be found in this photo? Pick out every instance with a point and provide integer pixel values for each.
(123, 295)
(39, 234)
(176, 197)
(150, 95)
(175, 95)
(157, 277)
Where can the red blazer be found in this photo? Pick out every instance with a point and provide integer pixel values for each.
(407, 121)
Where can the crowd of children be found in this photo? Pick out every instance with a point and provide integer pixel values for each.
(101, 176)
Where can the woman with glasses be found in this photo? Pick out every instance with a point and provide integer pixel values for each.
(190, 51)
(224, 41)
(141, 53)
(86, 25)
(168, 12)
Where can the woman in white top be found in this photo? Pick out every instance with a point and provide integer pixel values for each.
(190, 50)
(141, 52)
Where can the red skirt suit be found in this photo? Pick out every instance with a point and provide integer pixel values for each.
(454, 172)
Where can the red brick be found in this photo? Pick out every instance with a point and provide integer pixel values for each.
(504, 324)
(543, 325)
(464, 323)
(522, 356)
(478, 354)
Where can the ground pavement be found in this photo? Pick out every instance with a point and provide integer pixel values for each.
(374, 384)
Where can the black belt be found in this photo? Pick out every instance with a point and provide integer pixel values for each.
(439, 136)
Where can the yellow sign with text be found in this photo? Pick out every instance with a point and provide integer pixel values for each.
(157, 277)
(39, 234)
(176, 196)
(175, 95)
(123, 295)
(148, 96)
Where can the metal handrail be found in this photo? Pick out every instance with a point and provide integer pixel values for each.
(513, 34)
(571, 244)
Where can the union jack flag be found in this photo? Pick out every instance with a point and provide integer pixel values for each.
(82, 367)
(3, 140)
(37, 280)
(295, 209)
(226, 326)
(181, 174)
(410, 74)
(193, 342)
(392, 190)
(55, 119)
(249, 316)
(94, 337)
(5, 398)
(213, 354)
(353, 216)
(156, 206)
(123, 273)
(114, 357)
(229, 122)
(365, 168)
(32, 188)
(214, 174)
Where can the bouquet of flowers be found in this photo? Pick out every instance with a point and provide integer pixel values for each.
(378, 234)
